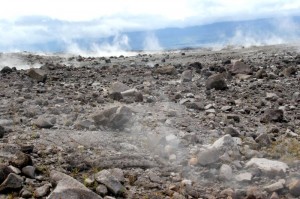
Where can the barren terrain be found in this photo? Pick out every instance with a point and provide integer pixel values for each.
(184, 124)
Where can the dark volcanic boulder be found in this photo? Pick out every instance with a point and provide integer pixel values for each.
(197, 66)
(6, 70)
(217, 82)
(116, 96)
(37, 74)
(115, 117)
(12, 181)
(4, 171)
(272, 115)
(232, 131)
(138, 97)
(2, 131)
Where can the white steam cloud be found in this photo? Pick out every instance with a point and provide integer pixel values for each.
(286, 31)
(277, 31)
(248, 39)
(16, 60)
(151, 43)
(119, 46)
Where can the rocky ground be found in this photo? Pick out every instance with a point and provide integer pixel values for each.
(186, 124)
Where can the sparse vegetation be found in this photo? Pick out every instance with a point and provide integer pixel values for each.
(132, 179)
(44, 169)
(154, 195)
(74, 172)
(11, 196)
(96, 170)
(287, 149)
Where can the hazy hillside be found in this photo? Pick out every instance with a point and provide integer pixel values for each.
(221, 33)
(48, 35)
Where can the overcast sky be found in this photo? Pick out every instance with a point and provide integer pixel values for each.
(20, 20)
(142, 12)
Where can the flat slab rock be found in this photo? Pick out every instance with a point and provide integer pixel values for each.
(268, 166)
(118, 87)
(115, 117)
(125, 161)
(68, 187)
(244, 177)
(226, 142)
(42, 122)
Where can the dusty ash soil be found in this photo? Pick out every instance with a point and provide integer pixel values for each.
(188, 124)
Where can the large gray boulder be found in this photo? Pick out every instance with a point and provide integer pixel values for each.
(166, 70)
(239, 67)
(4, 172)
(68, 187)
(268, 167)
(111, 179)
(214, 151)
(118, 87)
(37, 74)
(42, 191)
(226, 143)
(115, 117)
(187, 76)
(208, 156)
(29, 171)
(294, 187)
(12, 181)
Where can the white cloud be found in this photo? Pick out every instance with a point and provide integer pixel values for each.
(93, 9)
(166, 10)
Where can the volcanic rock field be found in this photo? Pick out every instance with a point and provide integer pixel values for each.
(192, 123)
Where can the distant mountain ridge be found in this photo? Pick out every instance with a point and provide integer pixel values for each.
(249, 32)
(220, 33)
